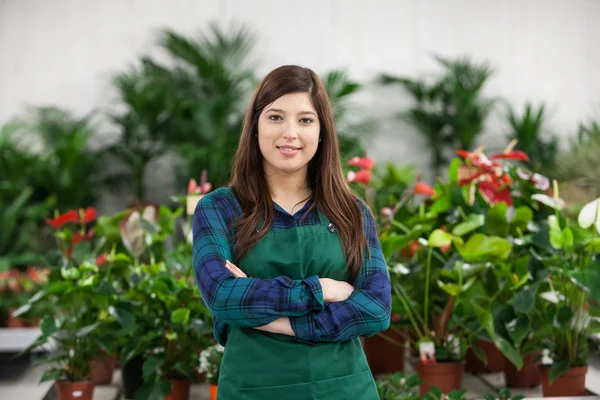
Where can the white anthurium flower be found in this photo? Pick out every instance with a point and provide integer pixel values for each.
(554, 202)
(132, 232)
(400, 269)
(423, 242)
(590, 215)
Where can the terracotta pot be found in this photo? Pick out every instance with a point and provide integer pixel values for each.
(103, 367)
(201, 377)
(447, 376)
(180, 389)
(213, 392)
(14, 322)
(74, 390)
(383, 356)
(528, 376)
(569, 384)
(495, 359)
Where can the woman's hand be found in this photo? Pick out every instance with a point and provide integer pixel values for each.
(334, 291)
(238, 273)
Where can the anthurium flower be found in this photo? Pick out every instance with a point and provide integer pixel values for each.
(363, 176)
(423, 189)
(512, 155)
(78, 237)
(58, 222)
(362, 162)
(590, 215)
(101, 259)
(495, 193)
(539, 181)
(203, 188)
(478, 159)
(550, 201)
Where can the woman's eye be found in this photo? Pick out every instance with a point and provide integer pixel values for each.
(306, 120)
(275, 118)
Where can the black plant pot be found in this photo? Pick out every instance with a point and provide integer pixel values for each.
(132, 376)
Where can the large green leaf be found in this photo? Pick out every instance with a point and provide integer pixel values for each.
(523, 215)
(558, 368)
(519, 331)
(151, 367)
(485, 318)
(524, 300)
(473, 222)
(181, 316)
(53, 374)
(153, 389)
(439, 238)
(564, 318)
(496, 220)
(124, 314)
(480, 248)
(509, 351)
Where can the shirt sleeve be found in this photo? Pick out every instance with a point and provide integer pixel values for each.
(366, 312)
(244, 302)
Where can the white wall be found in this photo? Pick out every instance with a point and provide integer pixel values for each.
(62, 52)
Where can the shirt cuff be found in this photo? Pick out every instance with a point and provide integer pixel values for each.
(317, 292)
(305, 328)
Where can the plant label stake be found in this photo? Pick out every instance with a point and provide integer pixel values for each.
(427, 352)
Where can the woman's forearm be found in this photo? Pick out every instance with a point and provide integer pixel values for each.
(281, 326)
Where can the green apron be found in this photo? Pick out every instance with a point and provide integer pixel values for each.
(260, 365)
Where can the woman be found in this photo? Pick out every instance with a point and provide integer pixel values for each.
(287, 260)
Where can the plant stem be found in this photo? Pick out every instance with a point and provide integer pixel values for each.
(427, 278)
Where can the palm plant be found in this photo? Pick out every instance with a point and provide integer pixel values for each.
(528, 130)
(451, 111)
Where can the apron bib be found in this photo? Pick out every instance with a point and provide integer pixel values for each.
(261, 365)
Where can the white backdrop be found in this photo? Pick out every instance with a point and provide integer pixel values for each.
(62, 52)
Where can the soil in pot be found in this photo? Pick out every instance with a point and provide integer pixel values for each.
(132, 376)
(569, 384)
(528, 376)
(383, 356)
(447, 376)
(495, 359)
(180, 389)
(74, 390)
(213, 392)
(103, 367)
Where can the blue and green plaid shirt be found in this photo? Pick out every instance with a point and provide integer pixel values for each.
(252, 302)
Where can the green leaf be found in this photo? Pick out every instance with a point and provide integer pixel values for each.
(556, 235)
(485, 318)
(524, 300)
(564, 317)
(509, 351)
(567, 238)
(479, 353)
(523, 215)
(453, 170)
(593, 327)
(480, 248)
(473, 222)
(124, 314)
(496, 220)
(155, 389)
(151, 367)
(519, 332)
(86, 330)
(105, 287)
(48, 326)
(53, 374)
(441, 205)
(439, 238)
(558, 368)
(181, 316)
(451, 288)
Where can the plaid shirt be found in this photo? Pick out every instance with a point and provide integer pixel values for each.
(252, 302)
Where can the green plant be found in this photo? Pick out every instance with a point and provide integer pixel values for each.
(449, 112)
(210, 362)
(528, 130)
(80, 295)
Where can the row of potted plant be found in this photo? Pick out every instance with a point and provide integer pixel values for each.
(122, 288)
(494, 256)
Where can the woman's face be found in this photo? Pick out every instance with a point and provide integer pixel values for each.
(288, 134)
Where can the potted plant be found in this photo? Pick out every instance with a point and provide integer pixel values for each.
(568, 251)
(210, 364)
(75, 288)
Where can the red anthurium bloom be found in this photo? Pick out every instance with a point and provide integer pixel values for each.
(424, 189)
(102, 259)
(78, 237)
(495, 193)
(478, 159)
(203, 188)
(58, 222)
(88, 215)
(362, 162)
(511, 155)
(362, 176)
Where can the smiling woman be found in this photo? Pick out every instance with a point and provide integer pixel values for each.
(287, 259)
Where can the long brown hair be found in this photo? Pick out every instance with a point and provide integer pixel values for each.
(330, 191)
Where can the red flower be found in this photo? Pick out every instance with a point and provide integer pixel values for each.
(363, 176)
(412, 248)
(203, 188)
(511, 155)
(101, 259)
(69, 216)
(364, 162)
(479, 160)
(495, 193)
(88, 215)
(78, 237)
(424, 189)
